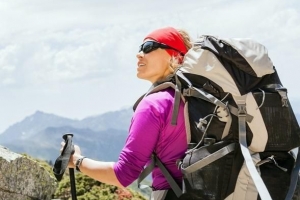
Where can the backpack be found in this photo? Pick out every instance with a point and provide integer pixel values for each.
(241, 128)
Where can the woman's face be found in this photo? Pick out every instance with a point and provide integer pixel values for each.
(153, 66)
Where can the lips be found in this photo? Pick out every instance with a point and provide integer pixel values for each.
(140, 64)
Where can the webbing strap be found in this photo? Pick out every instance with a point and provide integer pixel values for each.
(283, 93)
(294, 178)
(156, 161)
(235, 112)
(258, 182)
(146, 171)
(209, 159)
(169, 178)
(196, 92)
(176, 101)
(227, 126)
(201, 94)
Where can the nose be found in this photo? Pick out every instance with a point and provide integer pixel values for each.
(140, 54)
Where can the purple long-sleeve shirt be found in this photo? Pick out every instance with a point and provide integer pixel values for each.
(151, 131)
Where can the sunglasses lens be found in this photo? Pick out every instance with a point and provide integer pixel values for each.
(147, 47)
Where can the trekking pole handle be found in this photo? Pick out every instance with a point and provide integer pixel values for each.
(68, 144)
(68, 140)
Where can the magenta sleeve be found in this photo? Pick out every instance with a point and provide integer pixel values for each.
(143, 135)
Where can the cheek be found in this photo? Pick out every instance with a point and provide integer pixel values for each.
(159, 62)
(160, 66)
(165, 65)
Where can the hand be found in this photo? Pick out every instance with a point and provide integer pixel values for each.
(76, 155)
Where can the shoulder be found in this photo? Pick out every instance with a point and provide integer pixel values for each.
(159, 102)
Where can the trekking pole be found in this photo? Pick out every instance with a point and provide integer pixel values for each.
(73, 185)
(62, 162)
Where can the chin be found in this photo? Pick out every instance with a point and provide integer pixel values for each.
(142, 77)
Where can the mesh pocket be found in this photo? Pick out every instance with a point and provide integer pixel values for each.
(281, 123)
(276, 173)
(216, 180)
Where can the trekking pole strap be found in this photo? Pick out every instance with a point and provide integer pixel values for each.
(208, 160)
(62, 161)
(258, 182)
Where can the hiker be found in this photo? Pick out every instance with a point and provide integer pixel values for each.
(150, 130)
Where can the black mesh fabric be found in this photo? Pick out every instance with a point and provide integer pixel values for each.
(271, 174)
(216, 180)
(281, 123)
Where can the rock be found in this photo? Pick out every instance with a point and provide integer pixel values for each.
(22, 178)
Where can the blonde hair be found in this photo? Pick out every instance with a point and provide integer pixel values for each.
(186, 38)
(174, 62)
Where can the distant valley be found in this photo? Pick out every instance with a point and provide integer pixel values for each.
(40, 134)
(100, 137)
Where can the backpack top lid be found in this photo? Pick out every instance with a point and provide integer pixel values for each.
(235, 64)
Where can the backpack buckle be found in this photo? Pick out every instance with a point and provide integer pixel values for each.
(283, 93)
(242, 109)
(187, 92)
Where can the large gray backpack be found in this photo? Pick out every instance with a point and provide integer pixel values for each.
(242, 132)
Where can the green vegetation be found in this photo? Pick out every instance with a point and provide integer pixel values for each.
(90, 189)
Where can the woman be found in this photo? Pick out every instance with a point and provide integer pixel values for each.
(150, 130)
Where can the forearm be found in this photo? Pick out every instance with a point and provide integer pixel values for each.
(101, 171)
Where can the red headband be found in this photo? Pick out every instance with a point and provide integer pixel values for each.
(171, 37)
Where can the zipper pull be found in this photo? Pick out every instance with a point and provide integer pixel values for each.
(271, 159)
(282, 168)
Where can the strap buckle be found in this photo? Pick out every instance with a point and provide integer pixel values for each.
(283, 93)
(187, 92)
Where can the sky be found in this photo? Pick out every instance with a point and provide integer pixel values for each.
(77, 58)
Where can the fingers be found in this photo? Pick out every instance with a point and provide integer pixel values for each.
(62, 144)
(76, 148)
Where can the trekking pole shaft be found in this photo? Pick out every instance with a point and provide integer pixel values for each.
(72, 181)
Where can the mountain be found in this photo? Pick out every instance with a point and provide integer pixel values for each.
(32, 124)
(39, 135)
(101, 137)
(118, 120)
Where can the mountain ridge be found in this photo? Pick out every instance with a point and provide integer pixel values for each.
(100, 136)
(40, 134)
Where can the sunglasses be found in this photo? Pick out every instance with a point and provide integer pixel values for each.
(149, 46)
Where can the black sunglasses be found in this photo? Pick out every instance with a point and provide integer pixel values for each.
(149, 46)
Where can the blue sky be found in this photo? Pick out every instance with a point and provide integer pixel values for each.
(77, 58)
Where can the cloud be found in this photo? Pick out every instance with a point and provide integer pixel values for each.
(85, 50)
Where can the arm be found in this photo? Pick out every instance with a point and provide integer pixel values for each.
(134, 156)
(100, 171)
(141, 142)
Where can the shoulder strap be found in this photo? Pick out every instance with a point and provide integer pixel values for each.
(156, 161)
(154, 88)
(258, 182)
